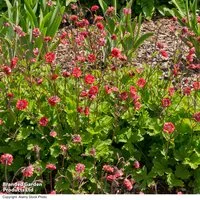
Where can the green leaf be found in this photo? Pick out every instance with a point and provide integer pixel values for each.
(103, 5)
(24, 132)
(173, 181)
(147, 8)
(182, 172)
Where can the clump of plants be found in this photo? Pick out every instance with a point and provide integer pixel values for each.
(99, 124)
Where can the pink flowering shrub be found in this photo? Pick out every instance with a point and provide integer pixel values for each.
(99, 124)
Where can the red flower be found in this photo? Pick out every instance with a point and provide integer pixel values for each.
(14, 62)
(166, 102)
(28, 171)
(21, 104)
(110, 10)
(108, 89)
(123, 96)
(54, 76)
(196, 85)
(53, 134)
(66, 74)
(127, 11)
(47, 38)
(137, 105)
(51, 166)
(6, 159)
(7, 70)
(53, 100)
(10, 95)
(110, 178)
(53, 192)
(36, 32)
(87, 111)
(141, 82)
(186, 91)
(94, 8)
(100, 26)
(160, 45)
(76, 139)
(116, 53)
(127, 184)
(43, 121)
(168, 127)
(113, 37)
(93, 91)
(136, 164)
(80, 168)
(164, 53)
(50, 57)
(76, 72)
(171, 91)
(73, 18)
(91, 58)
(89, 79)
(196, 116)
(108, 169)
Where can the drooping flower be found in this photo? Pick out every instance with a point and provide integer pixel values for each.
(110, 178)
(168, 127)
(76, 138)
(127, 184)
(136, 164)
(123, 96)
(108, 168)
(94, 8)
(93, 91)
(127, 11)
(51, 166)
(36, 32)
(22, 104)
(6, 159)
(14, 62)
(100, 26)
(7, 70)
(28, 171)
(53, 133)
(91, 58)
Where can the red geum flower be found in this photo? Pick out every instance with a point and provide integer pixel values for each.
(54, 76)
(53, 192)
(110, 10)
(66, 74)
(80, 168)
(113, 37)
(6, 159)
(14, 62)
(7, 70)
(164, 53)
(50, 57)
(127, 184)
(108, 89)
(141, 82)
(171, 91)
(28, 171)
(76, 138)
(100, 26)
(87, 111)
(137, 105)
(160, 45)
(123, 96)
(53, 133)
(76, 72)
(21, 104)
(89, 79)
(53, 100)
(168, 127)
(47, 38)
(93, 91)
(166, 102)
(186, 91)
(94, 8)
(82, 23)
(51, 166)
(43, 121)
(73, 18)
(108, 169)
(196, 85)
(127, 11)
(110, 178)
(36, 32)
(91, 58)
(1, 121)
(136, 164)
(98, 18)
(196, 116)
(116, 53)
(10, 95)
